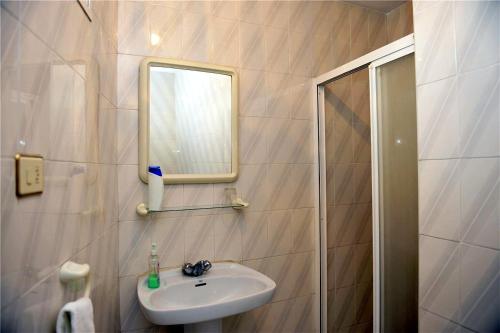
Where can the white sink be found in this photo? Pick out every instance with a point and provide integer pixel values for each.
(226, 289)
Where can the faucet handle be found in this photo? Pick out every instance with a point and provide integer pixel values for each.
(188, 269)
(197, 269)
(205, 264)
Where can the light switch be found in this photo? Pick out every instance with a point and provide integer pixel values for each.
(29, 174)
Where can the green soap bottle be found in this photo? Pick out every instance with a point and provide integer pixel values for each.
(154, 268)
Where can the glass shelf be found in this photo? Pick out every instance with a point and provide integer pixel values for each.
(182, 208)
(143, 210)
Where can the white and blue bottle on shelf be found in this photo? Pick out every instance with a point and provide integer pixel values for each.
(155, 182)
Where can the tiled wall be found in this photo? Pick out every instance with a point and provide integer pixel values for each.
(58, 100)
(400, 21)
(276, 47)
(458, 109)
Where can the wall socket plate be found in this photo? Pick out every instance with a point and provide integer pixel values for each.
(29, 174)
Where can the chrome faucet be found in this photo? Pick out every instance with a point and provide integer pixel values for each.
(197, 269)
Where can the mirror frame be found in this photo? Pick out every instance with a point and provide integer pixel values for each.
(144, 121)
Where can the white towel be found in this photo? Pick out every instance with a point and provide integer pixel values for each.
(76, 317)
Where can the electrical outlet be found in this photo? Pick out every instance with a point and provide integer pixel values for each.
(29, 174)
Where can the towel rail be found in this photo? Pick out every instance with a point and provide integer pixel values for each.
(71, 271)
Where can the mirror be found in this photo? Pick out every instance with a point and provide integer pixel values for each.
(188, 121)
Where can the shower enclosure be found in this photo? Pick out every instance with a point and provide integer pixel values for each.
(368, 209)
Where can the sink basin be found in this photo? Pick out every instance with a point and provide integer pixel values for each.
(226, 289)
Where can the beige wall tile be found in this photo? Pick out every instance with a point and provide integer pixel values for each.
(466, 191)
(344, 309)
(57, 107)
(275, 56)
(195, 37)
(300, 53)
(479, 202)
(477, 34)
(439, 276)
(364, 305)
(377, 30)
(253, 140)
(302, 221)
(226, 9)
(435, 43)
(150, 29)
(359, 30)
(400, 21)
(127, 85)
(199, 238)
(479, 111)
(127, 136)
(278, 95)
(252, 93)
(280, 232)
(438, 122)
(277, 50)
(228, 237)
(254, 233)
(479, 286)
(252, 46)
(276, 14)
(439, 198)
(430, 322)
(225, 41)
(345, 268)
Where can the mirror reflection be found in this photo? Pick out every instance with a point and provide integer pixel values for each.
(190, 121)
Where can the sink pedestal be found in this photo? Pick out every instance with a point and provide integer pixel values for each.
(211, 326)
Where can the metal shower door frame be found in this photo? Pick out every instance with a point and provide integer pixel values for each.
(372, 60)
(376, 149)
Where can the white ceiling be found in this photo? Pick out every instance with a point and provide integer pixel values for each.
(380, 5)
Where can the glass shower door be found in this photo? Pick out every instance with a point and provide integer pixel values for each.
(393, 104)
